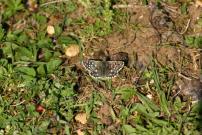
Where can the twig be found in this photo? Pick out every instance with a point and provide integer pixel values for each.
(52, 2)
(170, 8)
(19, 103)
(176, 94)
(185, 30)
(183, 76)
(122, 6)
(119, 6)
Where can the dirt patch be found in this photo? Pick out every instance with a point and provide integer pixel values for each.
(164, 41)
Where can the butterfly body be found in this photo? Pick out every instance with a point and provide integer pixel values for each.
(103, 68)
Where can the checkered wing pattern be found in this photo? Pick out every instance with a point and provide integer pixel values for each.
(113, 68)
(103, 69)
(94, 67)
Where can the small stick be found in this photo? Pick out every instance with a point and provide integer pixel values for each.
(119, 6)
(185, 30)
(19, 103)
(176, 94)
(183, 76)
(52, 2)
(122, 6)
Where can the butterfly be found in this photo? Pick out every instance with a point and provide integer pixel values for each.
(102, 68)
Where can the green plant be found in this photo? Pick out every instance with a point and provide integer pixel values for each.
(104, 17)
(12, 7)
(195, 42)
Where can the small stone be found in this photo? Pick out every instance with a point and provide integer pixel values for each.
(40, 108)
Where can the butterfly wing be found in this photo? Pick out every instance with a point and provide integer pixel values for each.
(94, 67)
(113, 68)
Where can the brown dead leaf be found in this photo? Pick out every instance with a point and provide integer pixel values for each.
(81, 117)
(72, 50)
(105, 115)
(198, 3)
(79, 132)
(32, 5)
(50, 30)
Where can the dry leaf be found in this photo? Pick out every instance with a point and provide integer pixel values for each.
(72, 50)
(105, 115)
(50, 30)
(81, 117)
(79, 132)
(32, 5)
(198, 3)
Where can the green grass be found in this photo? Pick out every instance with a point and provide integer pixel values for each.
(33, 74)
